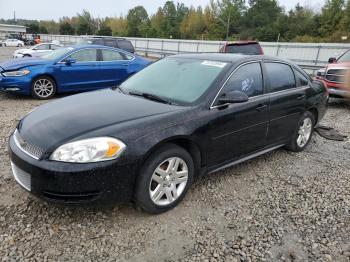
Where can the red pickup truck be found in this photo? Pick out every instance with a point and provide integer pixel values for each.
(336, 76)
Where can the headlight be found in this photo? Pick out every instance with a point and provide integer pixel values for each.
(16, 73)
(89, 150)
(321, 72)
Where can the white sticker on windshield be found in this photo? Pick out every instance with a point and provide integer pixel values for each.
(214, 63)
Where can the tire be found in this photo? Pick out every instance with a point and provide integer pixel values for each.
(303, 133)
(168, 189)
(43, 87)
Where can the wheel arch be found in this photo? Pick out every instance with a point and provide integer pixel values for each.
(184, 142)
(47, 75)
(314, 112)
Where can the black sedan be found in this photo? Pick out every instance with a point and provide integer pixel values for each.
(181, 117)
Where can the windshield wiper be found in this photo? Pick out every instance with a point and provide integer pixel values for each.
(119, 88)
(151, 97)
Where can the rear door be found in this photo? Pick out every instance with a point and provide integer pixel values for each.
(287, 101)
(83, 74)
(114, 67)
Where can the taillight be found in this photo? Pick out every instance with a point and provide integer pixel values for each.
(261, 50)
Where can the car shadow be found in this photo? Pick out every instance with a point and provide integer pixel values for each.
(339, 103)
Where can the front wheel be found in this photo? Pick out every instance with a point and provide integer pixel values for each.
(43, 87)
(303, 133)
(164, 179)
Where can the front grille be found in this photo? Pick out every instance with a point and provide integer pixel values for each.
(26, 147)
(336, 75)
(22, 177)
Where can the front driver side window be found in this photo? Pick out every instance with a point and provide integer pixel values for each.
(86, 55)
(247, 79)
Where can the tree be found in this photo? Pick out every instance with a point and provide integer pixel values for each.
(105, 30)
(32, 28)
(170, 20)
(193, 25)
(118, 25)
(138, 21)
(331, 15)
(86, 24)
(262, 20)
(66, 28)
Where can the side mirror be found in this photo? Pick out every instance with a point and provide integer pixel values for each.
(233, 97)
(332, 60)
(69, 61)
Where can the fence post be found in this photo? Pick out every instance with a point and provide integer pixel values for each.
(278, 50)
(178, 47)
(147, 46)
(197, 46)
(162, 50)
(318, 54)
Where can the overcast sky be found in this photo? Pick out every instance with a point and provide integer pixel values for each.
(54, 9)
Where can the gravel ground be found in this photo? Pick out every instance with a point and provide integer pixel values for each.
(279, 207)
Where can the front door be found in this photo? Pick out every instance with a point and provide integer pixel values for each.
(239, 129)
(83, 74)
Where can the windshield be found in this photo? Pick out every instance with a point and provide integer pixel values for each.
(345, 57)
(57, 53)
(34, 46)
(249, 49)
(178, 80)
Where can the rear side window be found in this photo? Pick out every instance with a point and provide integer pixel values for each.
(126, 45)
(301, 80)
(54, 47)
(248, 49)
(248, 79)
(280, 75)
(110, 55)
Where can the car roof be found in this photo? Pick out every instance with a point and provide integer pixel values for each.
(105, 37)
(243, 42)
(233, 58)
(84, 46)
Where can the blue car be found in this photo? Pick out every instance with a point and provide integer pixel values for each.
(69, 69)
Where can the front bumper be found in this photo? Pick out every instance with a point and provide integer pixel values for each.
(339, 92)
(19, 85)
(336, 89)
(103, 182)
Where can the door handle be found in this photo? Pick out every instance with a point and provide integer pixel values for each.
(301, 97)
(261, 107)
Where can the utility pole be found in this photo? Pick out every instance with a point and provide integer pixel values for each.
(228, 26)
(14, 17)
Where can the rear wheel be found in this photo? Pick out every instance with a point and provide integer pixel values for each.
(43, 87)
(164, 179)
(303, 133)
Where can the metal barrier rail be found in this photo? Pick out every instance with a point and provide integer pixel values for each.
(310, 56)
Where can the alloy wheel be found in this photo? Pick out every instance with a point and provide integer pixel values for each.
(168, 181)
(304, 132)
(43, 88)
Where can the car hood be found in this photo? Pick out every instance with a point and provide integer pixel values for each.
(24, 51)
(58, 122)
(344, 65)
(23, 62)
